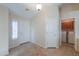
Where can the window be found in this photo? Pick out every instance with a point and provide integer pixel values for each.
(14, 30)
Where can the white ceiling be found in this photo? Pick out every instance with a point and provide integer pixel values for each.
(20, 8)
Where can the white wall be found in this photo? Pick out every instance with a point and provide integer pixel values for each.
(4, 31)
(23, 30)
(38, 29)
(45, 26)
(72, 11)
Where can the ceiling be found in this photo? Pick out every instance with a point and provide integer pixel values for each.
(25, 10)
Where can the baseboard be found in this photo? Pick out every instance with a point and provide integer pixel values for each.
(51, 48)
(19, 45)
(25, 43)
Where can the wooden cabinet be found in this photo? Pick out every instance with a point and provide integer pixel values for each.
(68, 26)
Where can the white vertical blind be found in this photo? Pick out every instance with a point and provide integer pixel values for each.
(14, 29)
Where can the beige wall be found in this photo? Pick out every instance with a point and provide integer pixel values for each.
(4, 40)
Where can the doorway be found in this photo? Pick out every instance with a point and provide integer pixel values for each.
(68, 33)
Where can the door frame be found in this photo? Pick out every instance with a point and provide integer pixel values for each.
(60, 34)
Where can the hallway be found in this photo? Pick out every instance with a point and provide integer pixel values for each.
(30, 49)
